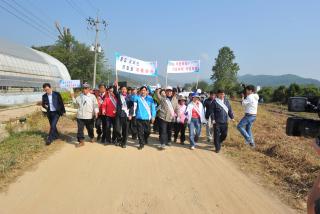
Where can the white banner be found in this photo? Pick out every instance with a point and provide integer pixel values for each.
(135, 66)
(183, 66)
(67, 84)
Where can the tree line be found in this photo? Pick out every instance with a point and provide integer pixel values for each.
(282, 93)
(78, 58)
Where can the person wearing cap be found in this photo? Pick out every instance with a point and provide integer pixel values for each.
(145, 113)
(87, 110)
(109, 110)
(168, 110)
(196, 116)
(101, 95)
(220, 112)
(181, 121)
(123, 115)
(209, 127)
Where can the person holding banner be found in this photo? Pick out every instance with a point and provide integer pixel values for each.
(196, 116)
(87, 110)
(220, 111)
(123, 115)
(168, 110)
(145, 113)
(100, 98)
(109, 109)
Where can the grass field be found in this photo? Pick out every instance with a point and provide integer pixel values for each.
(287, 165)
(25, 146)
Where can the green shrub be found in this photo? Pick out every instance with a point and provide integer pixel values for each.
(66, 97)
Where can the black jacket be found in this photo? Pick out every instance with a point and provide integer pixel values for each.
(57, 103)
(207, 103)
(120, 112)
(218, 114)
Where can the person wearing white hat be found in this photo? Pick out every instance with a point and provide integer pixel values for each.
(87, 110)
(195, 115)
(181, 121)
(168, 110)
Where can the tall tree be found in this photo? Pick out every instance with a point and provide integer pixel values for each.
(77, 57)
(225, 71)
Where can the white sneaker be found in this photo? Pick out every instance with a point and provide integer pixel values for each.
(162, 146)
(192, 147)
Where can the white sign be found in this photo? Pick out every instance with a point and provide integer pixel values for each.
(183, 66)
(69, 84)
(135, 66)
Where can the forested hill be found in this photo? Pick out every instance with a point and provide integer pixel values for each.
(271, 80)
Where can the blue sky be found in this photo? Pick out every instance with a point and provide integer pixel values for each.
(267, 37)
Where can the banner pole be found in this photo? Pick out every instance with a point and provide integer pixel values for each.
(167, 79)
(197, 81)
(198, 75)
(116, 75)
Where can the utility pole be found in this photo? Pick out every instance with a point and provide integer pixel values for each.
(94, 24)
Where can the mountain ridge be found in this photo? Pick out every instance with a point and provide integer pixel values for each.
(277, 80)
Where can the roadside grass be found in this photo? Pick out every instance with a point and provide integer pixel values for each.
(286, 165)
(25, 146)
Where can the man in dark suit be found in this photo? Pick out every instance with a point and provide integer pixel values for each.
(52, 102)
(124, 114)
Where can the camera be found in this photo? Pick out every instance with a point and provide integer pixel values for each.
(300, 126)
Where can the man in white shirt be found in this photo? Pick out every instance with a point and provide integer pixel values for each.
(53, 103)
(250, 104)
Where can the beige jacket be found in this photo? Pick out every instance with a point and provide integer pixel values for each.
(87, 106)
(164, 111)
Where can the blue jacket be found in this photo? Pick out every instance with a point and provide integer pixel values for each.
(141, 112)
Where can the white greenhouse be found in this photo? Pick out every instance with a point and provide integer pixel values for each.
(23, 70)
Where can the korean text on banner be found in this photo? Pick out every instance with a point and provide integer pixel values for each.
(135, 66)
(67, 84)
(183, 66)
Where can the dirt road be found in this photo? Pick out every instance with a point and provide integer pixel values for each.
(107, 179)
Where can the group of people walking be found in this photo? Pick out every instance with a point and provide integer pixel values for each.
(116, 112)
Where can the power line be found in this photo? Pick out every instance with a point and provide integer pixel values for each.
(26, 22)
(76, 8)
(92, 6)
(27, 18)
(32, 4)
(32, 15)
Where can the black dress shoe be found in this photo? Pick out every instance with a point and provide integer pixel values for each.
(140, 146)
(48, 142)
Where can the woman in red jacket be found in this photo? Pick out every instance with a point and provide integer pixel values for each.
(108, 108)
